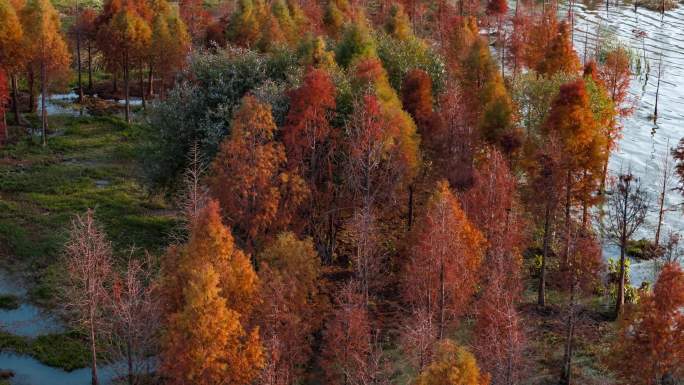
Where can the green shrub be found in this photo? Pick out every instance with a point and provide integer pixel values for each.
(9, 302)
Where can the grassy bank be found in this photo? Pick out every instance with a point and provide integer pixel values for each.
(88, 163)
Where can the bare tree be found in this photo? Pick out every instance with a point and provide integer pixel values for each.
(135, 319)
(627, 207)
(418, 338)
(88, 263)
(195, 194)
(672, 250)
(667, 182)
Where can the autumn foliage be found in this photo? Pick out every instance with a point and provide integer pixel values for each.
(454, 365)
(441, 276)
(370, 188)
(207, 340)
(248, 176)
(649, 349)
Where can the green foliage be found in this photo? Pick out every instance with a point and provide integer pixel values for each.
(356, 43)
(533, 94)
(614, 268)
(631, 292)
(401, 56)
(9, 302)
(398, 24)
(65, 351)
(640, 249)
(200, 108)
(91, 164)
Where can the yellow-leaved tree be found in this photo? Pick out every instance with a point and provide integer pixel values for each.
(211, 291)
(45, 47)
(454, 365)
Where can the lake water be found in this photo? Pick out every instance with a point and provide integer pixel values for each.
(644, 143)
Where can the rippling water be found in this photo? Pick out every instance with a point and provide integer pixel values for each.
(644, 143)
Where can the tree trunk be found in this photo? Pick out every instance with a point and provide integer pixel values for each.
(90, 67)
(78, 65)
(32, 91)
(127, 109)
(15, 100)
(566, 373)
(43, 94)
(568, 197)
(3, 126)
(150, 82)
(93, 348)
(541, 300)
(442, 294)
(619, 303)
(410, 207)
(129, 359)
(142, 85)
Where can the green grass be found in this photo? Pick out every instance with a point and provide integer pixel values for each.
(88, 163)
(65, 351)
(9, 302)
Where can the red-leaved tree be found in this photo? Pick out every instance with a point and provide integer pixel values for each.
(442, 274)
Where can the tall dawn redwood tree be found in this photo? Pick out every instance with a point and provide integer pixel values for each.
(248, 175)
(441, 276)
(89, 266)
(493, 206)
(206, 343)
(211, 289)
(11, 52)
(131, 34)
(46, 47)
(581, 145)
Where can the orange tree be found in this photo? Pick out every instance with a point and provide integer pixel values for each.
(45, 46)
(649, 346)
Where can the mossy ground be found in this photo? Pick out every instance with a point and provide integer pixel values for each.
(89, 163)
(545, 330)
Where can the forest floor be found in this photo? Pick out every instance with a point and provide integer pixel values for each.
(546, 330)
(89, 163)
